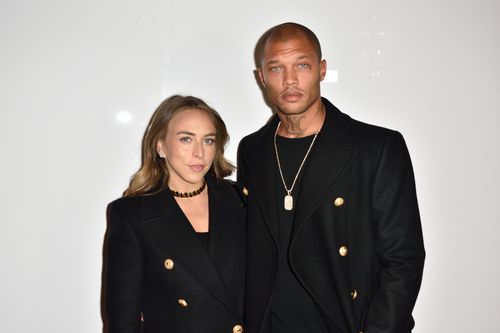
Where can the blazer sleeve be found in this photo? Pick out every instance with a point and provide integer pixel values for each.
(240, 173)
(122, 281)
(400, 247)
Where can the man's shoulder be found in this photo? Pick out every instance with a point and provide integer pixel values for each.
(362, 130)
(371, 131)
(257, 136)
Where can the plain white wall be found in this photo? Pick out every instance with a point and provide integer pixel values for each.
(430, 69)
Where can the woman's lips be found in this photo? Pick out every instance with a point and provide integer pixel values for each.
(197, 167)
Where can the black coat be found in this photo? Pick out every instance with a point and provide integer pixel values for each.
(155, 267)
(356, 244)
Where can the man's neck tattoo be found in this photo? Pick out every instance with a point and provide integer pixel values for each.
(292, 126)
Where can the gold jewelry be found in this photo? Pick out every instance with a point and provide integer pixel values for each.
(288, 200)
(189, 194)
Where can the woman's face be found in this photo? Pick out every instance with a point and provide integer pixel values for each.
(189, 149)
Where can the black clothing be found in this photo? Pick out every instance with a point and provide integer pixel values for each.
(157, 269)
(203, 238)
(356, 244)
(293, 310)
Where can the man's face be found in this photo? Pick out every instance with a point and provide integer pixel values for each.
(291, 73)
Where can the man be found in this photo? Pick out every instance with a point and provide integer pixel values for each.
(334, 241)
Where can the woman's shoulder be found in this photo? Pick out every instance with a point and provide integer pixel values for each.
(127, 205)
(126, 201)
(231, 190)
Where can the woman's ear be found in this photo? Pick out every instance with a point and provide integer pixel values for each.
(160, 149)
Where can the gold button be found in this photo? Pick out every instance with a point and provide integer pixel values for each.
(238, 329)
(182, 302)
(169, 264)
(338, 202)
(354, 294)
(343, 251)
(245, 192)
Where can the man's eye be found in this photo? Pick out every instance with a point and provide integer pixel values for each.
(185, 139)
(275, 69)
(304, 66)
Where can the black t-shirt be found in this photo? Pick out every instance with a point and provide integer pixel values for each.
(203, 238)
(292, 308)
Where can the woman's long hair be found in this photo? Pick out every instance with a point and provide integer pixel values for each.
(153, 175)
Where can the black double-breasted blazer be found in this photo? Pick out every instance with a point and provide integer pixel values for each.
(159, 277)
(356, 244)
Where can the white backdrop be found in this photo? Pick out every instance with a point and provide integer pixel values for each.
(79, 79)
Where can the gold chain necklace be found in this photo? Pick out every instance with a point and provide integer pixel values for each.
(189, 194)
(288, 200)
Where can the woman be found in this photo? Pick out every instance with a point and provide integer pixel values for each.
(174, 259)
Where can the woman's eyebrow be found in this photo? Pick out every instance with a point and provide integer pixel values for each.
(186, 132)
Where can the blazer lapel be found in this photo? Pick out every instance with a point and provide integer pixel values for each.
(329, 160)
(261, 161)
(226, 239)
(166, 225)
(226, 222)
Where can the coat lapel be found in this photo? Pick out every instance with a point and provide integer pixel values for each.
(166, 224)
(328, 161)
(226, 221)
(261, 161)
(226, 239)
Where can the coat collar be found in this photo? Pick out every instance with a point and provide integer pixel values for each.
(165, 224)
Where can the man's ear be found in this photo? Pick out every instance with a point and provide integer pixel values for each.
(322, 69)
(261, 77)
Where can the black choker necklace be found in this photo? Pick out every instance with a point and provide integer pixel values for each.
(189, 194)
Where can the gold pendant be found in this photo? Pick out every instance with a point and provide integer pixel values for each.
(288, 202)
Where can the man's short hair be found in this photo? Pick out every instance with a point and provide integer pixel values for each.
(285, 32)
